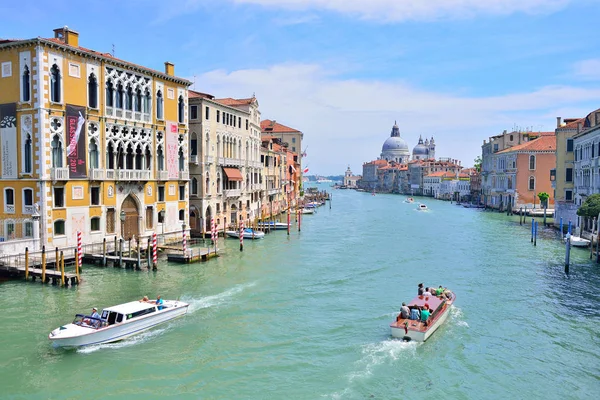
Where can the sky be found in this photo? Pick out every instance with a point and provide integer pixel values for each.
(343, 71)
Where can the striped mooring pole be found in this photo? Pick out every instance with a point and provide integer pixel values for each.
(79, 255)
(154, 248)
(241, 235)
(184, 243)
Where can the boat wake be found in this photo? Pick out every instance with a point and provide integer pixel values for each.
(133, 340)
(217, 299)
(457, 317)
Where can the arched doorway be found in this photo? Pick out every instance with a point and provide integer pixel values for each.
(193, 218)
(132, 216)
(207, 220)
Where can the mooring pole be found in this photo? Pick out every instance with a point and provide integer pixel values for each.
(44, 264)
(535, 235)
(104, 252)
(567, 253)
(62, 269)
(561, 228)
(26, 263)
(532, 227)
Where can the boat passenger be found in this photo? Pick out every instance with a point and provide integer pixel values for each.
(404, 311)
(427, 292)
(415, 314)
(439, 291)
(159, 302)
(144, 299)
(425, 313)
(421, 290)
(91, 321)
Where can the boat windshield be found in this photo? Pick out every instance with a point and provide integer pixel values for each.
(88, 321)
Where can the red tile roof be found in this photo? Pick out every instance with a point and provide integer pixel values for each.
(572, 123)
(435, 174)
(194, 94)
(235, 102)
(543, 143)
(266, 125)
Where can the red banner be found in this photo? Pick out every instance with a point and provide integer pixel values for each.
(76, 135)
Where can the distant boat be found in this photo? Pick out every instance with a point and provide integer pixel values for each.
(304, 211)
(248, 234)
(422, 207)
(273, 225)
(409, 200)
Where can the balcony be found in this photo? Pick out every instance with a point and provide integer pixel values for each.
(59, 174)
(96, 174)
(162, 175)
(274, 191)
(28, 209)
(209, 160)
(110, 174)
(132, 175)
(184, 175)
(194, 159)
(256, 186)
(232, 161)
(232, 192)
(221, 160)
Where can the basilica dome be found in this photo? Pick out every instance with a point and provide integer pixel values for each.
(395, 148)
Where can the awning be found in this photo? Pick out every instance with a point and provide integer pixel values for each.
(233, 174)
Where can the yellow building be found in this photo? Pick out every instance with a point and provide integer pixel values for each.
(96, 144)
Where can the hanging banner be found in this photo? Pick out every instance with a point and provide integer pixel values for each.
(8, 140)
(76, 139)
(172, 144)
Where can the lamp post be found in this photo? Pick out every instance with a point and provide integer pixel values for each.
(122, 216)
(162, 218)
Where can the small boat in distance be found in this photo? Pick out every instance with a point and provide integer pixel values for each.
(248, 234)
(116, 323)
(304, 211)
(413, 328)
(422, 207)
(577, 241)
(273, 225)
(409, 200)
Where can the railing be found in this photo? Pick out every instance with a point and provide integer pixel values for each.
(256, 186)
(274, 191)
(132, 175)
(96, 174)
(162, 175)
(109, 111)
(232, 161)
(28, 209)
(184, 175)
(110, 174)
(137, 116)
(221, 160)
(194, 159)
(118, 113)
(59, 174)
(209, 159)
(232, 192)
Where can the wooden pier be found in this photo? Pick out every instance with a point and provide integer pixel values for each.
(48, 267)
(192, 255)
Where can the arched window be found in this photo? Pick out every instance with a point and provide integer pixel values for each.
(93, 148)
(194, 144)
(147, 102)
(160, 158)
(138, 100)
(110, 94)
(180, 109)
(119, 96)
(139, 158)
(92, 91)
(9, 198)
(27, 157)
(207, 187)
(182, 215)
(159, 105)
(148, 159)
(181, 160)
(110, 156)
(26, 84)
(531, 183)
(55, 84)
(129, 98)
(194, 186)
(129, 158)
(218, 183)
(57, 153)
(532, 162)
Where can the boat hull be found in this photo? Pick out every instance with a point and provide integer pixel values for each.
(419, 335)
(114, 333)
(256, 235)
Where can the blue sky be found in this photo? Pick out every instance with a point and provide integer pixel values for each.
(342, 71)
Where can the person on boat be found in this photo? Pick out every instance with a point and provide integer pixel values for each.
(91, 321)
(415, 313)
(439, 291)
(421, 290)
(404, 311)
(144, 299)
(158, 302)
(425, 314)
(427, 292)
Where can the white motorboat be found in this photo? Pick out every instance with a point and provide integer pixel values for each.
(304, 211)
(273, 225)
(577, 241)
(409, 200)
(417, 330)
(248, 234)
(116, 323)
(422, 207)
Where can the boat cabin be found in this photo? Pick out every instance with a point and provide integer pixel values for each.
(127, 311)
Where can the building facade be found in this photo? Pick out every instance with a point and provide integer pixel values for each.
(586, 145)
(95, 144)
(351, 181)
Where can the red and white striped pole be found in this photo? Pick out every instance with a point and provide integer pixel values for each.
(79, 255)
(154, 256)
(184, 243)
(213, 233)
(241, 235)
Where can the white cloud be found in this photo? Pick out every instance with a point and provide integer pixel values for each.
(403, 10)
(587, 69)
(345, 121)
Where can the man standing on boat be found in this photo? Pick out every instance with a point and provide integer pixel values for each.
(404, 311)
(158, 302)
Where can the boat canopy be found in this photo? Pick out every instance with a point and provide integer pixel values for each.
(131, 307)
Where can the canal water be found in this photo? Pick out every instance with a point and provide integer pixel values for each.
(307, 316)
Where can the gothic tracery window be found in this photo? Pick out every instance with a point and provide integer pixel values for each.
(55, 94)
(26, 84)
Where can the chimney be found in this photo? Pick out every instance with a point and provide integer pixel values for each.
(67, 36)
(169, 68)
(579, 126)
(558, 122)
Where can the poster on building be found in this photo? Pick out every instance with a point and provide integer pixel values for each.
(8, 139)
(172, 143)
(76, 138)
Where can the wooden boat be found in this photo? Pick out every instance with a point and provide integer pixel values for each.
(410, 329)
(248, 234)
(116, 323)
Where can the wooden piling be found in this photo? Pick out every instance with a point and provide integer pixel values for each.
(62, 269)
(26, 263)
(77, 265)
(139, 255)
(44, 264)
(149, 251)
(104, 252)
(532, 227)
(56, 260)
(567, 253)
(535, 234)
(115, 247)
(120, 252)
(129, 248)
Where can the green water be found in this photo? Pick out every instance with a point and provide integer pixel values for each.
(307, 316)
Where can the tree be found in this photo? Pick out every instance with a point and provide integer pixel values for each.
(543, 196)
(590, 207)
(477, 165)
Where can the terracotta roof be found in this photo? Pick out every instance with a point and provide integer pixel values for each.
(543, 143)
(266, 125)
(435, 174)
(193, 94)
(235, 102)
(266, 138)
(571, 123)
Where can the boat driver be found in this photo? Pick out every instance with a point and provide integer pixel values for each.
(93, 322)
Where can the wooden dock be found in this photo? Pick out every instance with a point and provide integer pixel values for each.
(16, 267)
(192, 255)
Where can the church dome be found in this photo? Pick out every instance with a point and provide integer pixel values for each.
(420, 149)
(394, 143)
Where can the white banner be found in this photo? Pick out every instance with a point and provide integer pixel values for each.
(9, 152)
